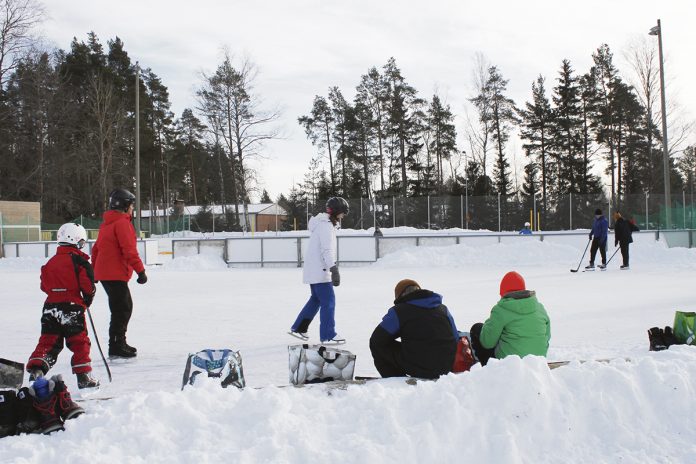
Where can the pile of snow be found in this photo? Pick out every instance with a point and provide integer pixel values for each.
(512, 411)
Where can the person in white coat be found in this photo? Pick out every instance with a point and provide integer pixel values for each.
(321, 273)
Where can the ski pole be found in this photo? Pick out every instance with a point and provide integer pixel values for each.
(96, 339)
(612, 256)
(583, 256)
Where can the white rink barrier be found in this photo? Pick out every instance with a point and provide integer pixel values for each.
(148, 250)
(359, 249)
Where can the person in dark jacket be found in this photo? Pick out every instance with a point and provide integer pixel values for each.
(68, 281)
(428, 335)
(115, 257)
(518, 324)
(623, 236)
(598, 235)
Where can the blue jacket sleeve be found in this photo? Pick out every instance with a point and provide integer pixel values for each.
(390, 322)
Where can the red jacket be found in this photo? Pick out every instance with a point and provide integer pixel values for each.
(115, 254)
(68, 278)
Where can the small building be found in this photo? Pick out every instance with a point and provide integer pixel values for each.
(20, 221)
(262, 217)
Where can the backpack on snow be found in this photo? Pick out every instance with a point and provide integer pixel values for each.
(464, 357)
(224, 364)
(318, 363)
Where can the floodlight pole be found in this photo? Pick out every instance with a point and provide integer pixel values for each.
(665, 147)
(137, 149)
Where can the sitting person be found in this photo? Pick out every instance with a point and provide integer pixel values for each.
(428, 335)
(518, 324)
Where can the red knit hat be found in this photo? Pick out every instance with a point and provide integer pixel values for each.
(511, 282)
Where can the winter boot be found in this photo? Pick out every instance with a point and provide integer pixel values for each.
(128, 347)
(669, 337)
(8, 413)
(27, 416)
(657, 340)
(85, 380)
(118, 348)
(66, 408)
(45, 402)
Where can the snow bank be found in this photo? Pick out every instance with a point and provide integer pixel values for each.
(530, 253)
(201, 262)
(512, 411)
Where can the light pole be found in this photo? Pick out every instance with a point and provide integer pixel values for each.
(137, 148)
(657, 30)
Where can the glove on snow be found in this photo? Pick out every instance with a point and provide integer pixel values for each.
(335, 276)
(142, 277)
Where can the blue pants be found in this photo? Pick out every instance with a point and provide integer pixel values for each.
(322, 297)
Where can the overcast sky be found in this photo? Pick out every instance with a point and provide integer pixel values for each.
(303, 47)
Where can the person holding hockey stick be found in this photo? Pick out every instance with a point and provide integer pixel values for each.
(428, 335)
(518, 324)
(68, 281)
(623, 236)
(115, 257)
(321, 273)
(598, 235)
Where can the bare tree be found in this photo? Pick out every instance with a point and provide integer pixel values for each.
(229, 92)
(17, 20)
(478, 128)
(108, 117)
(642, 55)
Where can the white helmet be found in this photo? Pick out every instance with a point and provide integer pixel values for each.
(72, 234)
(526, 224)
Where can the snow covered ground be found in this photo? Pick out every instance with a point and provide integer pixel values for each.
(512, 411)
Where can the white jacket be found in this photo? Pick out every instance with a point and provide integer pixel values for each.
(321, 250)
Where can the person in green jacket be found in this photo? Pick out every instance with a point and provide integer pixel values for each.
(518, 324)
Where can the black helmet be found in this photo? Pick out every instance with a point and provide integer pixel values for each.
(336, 206)
(121, 199)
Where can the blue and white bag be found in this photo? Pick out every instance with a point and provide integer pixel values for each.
(224, 364)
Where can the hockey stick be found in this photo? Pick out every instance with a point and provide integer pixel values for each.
(583, 257)
(96, 339)
(612, 256)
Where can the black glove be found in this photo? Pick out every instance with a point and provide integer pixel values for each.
(335, 276)
(590, 235)
(142, 278)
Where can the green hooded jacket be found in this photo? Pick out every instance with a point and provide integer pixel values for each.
(519, 325)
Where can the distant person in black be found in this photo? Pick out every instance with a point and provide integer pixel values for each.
(427, 331)
(623, 236)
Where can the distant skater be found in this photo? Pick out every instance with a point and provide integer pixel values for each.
(623, 236)
(598, 235)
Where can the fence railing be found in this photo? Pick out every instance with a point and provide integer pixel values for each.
(357, 249)
(148, 250)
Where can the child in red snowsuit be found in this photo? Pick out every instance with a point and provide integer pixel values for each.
(68, 280)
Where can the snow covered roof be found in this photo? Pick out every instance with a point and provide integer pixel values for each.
(260, 208)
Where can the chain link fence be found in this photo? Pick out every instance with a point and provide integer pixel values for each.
(495, 213)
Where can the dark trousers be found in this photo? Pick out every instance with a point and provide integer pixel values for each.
(387, 357)
(62, 323)
(602, 247)
(121, 306)
(624, 252)
(481, 353)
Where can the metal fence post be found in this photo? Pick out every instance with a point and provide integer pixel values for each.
(684, 206)
(571, 210)
(466, 207)
(646, 211)
(361, 214)
(428, 211)
(461, 208)
(374, 212)
(393, 211)
(499, 223)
